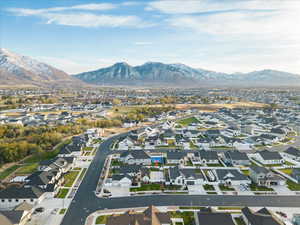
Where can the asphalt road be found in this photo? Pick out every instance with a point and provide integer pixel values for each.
(86, 202)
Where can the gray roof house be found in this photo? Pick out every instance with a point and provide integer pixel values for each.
(261, 217)
(231, 177)
(293, 153)
(213, 218)
(236, 158)
(267, 157)
(265, 177)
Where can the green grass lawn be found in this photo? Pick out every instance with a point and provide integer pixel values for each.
(239, 221)
(147, 187)
(289, 163)
(212, 193)
(28, 169)
(225, 188)
(62, 211)
(286, 171)
(188, 217)
(208, 187)
(101, 219)
(8, 171)
(214, 165)
(187, 121)
(116, 162)
(62, 193)
(293, 186)
(254, 187)
(87, 149)
(70, 177)
(246, 172)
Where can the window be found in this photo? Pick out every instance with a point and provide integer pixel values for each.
(17, 200)
(9, 200)
(31, 200)
(2, 200)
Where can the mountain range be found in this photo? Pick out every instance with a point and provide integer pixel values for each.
(180, 74)
(17, 70)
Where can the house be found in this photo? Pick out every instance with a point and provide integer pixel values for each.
(63, 164)
(13, 196)
(185, 176)
(265, 177)
(175, 178)
(49, 181)
(231, 177)
(127, 143)
(175, 157)
(20, 215)
(192, 176)
(269, 138)
(74, 148)
(213, 132)
(260, 217)
(168, 125)
(296, 174)
(207, 157)
(151, 216)
(213, 218)
(169, 137)
(139, 172)
(280, 132)
(121, 180)
(236, 158)
(269, 158)
(292, 153)
(138, 157)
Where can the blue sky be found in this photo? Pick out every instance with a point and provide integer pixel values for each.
(224, 35)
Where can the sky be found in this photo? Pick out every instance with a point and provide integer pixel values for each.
(220, 35)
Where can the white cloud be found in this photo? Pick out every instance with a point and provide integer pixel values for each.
(204, 6)
(143, 43)
(31, 12)
(61, 16)
(93, 20)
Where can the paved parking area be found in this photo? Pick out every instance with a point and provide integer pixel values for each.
(196, 189)
(118, 191)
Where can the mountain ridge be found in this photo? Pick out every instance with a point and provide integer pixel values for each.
(19, 70)
(157, 72)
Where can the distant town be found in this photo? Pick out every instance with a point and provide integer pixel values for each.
(170, 156)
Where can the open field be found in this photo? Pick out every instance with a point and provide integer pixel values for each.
(120, 110)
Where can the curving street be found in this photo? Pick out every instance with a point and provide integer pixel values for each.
(86, 202)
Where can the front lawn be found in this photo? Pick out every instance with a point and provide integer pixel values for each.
(62, 211)
(62, 193)
(239, 221)
(225, 188)
(286, 171)
(214, 165)
(255, 187)
(101, 219)
(293, 186)
(147, 187)
(246, 172)
(208, 187)
(70, 177)
(188, 217)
